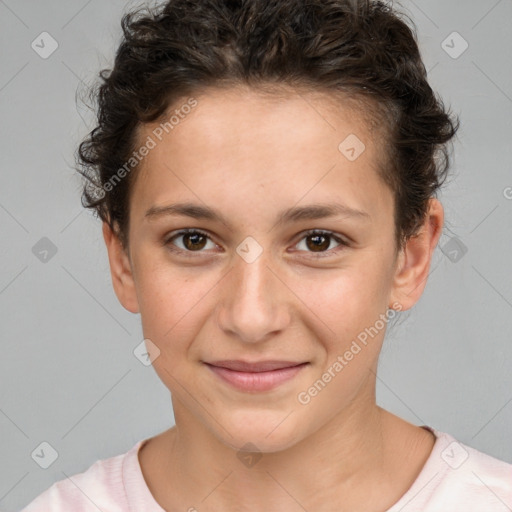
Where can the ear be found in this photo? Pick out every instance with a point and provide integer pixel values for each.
(121, 271)
(415, 258)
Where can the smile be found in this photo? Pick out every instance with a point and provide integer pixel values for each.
(258, 379)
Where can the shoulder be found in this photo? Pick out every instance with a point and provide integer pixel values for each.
(459, 478)
(484, 480)
(100, 487)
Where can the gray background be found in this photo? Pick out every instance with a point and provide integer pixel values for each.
(68, 373)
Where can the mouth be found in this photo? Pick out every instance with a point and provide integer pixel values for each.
(258, 376)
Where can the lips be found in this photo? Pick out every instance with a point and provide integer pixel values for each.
(258, 376)
(256, 367)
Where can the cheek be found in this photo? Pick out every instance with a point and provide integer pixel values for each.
(172, 302)
(352, 305)
(352, 297)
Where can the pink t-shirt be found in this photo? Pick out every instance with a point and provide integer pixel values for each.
(455, 478)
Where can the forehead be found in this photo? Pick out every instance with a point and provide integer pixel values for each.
(225, 111)
(253, 140)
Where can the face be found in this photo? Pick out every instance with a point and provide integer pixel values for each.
(250, 282)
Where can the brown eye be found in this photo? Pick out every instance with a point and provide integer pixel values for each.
(320, 241)
(192, 241)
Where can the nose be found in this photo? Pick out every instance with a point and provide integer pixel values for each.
(254, 305)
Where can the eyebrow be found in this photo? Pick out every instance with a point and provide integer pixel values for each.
(294, 214)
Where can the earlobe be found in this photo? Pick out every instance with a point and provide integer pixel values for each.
(121, 271)
(414, 260)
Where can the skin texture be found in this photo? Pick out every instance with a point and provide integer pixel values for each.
(251, 156)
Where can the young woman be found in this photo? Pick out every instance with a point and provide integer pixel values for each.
(266, 175)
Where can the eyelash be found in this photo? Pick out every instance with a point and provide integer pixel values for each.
(173, 248)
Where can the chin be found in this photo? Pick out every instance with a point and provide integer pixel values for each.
(269, 432)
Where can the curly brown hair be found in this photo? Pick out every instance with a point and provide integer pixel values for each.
(358, 49)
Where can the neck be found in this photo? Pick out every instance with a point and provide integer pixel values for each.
(339, 466)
